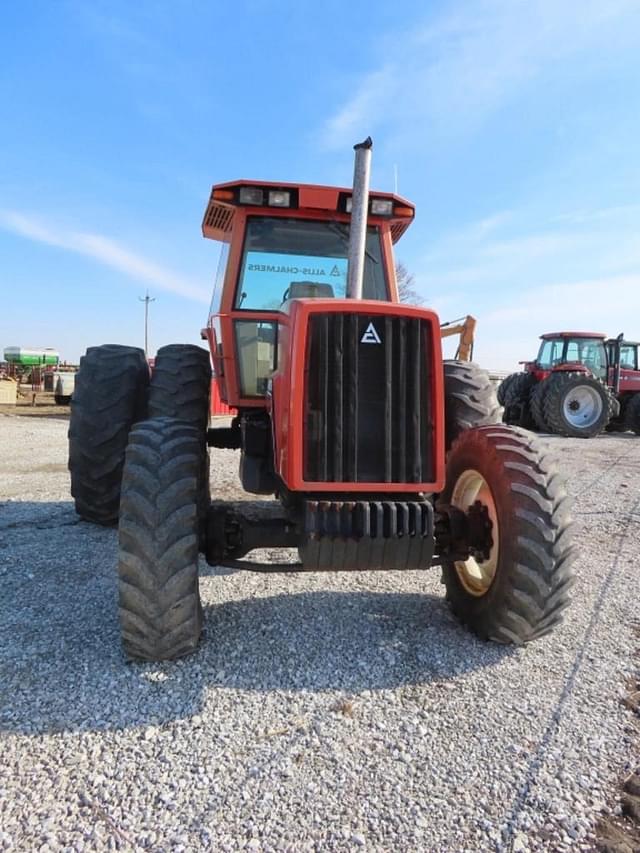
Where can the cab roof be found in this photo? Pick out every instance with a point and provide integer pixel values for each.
(550, 335)
(217, 223)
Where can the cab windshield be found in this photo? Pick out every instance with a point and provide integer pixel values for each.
(286, 258)
(588, 351)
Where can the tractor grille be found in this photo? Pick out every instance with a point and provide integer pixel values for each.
(368, 413)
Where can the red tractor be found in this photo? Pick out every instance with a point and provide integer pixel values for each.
(368, 451)
(577, 386)
(624, 374)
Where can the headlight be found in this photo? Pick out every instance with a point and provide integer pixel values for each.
(279, 198)
(382, 206)
(251, 195)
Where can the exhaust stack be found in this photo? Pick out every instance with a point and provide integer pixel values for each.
(359, 211)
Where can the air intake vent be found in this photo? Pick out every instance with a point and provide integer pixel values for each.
(368, 413)
(219, 217)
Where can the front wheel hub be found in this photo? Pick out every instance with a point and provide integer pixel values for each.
(472, 495)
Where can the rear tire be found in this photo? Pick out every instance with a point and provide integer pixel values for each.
(160, 610)
(110, 395)
(632, 414)
(503, 387)
(536, 405)
(518, 389)
(180, 384)
(180, 388)
(576, 405)
(516, 405)
(470, 399)
(518, 592)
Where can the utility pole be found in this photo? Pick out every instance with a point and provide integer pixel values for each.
(147, 299)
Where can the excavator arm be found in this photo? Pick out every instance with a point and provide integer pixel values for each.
(466, 328)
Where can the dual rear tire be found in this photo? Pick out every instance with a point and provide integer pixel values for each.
(138, 453)
(565, 403)
(109, 396)
(516, 396)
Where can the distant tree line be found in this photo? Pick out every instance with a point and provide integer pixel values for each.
(406, 286)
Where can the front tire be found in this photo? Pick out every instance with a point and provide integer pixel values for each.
(516, 591)
(160, 610)
(576, 405)
(109, 396)
(470, 399)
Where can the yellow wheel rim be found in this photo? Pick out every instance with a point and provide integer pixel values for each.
(476, 574)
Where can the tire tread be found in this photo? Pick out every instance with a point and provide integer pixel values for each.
(533, 591)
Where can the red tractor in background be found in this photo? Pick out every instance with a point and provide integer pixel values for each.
(369, 452)
(624, 374)
(580, 384)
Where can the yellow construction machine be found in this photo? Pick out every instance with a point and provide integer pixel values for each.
(466, 328)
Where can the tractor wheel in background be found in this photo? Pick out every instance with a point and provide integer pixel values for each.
(519, 388)
(110, 395)
(469, 399)
(516, 401)
(180, 388)
(577, 405)
(536, 405)
(160, 610)
(516, 590)
(504, 386)
(632, 414)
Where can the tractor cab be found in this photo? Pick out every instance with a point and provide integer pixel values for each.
(284, 242)
(574, 351)
(629, 355)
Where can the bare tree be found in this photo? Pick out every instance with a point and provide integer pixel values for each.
(406, 286)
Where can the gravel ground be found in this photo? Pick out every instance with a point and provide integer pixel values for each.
(322, 712)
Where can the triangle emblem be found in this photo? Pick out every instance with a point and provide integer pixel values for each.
(370, 335)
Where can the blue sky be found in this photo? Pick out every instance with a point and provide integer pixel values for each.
(514, 127)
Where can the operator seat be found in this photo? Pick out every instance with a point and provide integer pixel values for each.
(308, 290)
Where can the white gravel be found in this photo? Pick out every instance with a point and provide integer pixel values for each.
(322, 712)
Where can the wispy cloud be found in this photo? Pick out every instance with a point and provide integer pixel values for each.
(456, 69)
(510, 332)
(523, 248)
(105, 251)
(522, 275)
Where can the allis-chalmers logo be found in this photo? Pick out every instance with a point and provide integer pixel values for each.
(370, 335)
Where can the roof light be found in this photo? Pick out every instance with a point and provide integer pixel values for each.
(223, 195)
(279, 198)
(251, 195)
(377, 206)
(381, 206)
(403, 211)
